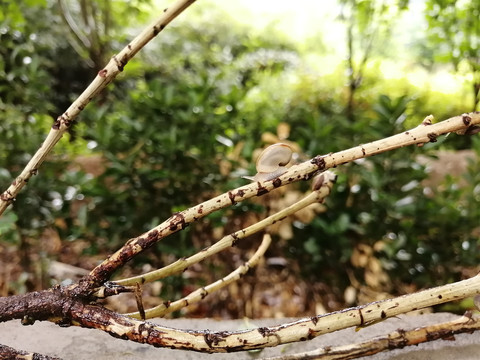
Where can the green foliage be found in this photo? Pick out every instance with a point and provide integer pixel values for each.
(383, 199)
(158, 136)
(39, 76)
(455, 37)
(8, 227)
(454, 30)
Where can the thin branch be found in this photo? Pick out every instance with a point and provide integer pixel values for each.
(422, 134)
(318, 195)
(395, 340)
(200, 294)
(104, 77)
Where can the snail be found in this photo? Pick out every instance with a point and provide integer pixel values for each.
(271, 162)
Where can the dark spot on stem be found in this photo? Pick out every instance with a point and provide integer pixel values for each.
(178, 219)
(277, 182)
(152, 236)
(261, 190)
(231, 196)
(466, 119)
(120, 63)
(213, 339)
(235, 239)
(125, 255)
(143, 242)
(56, 124)
(208, 339)
(432, 137)
(383, 315)
(319, 162)
(264, 331)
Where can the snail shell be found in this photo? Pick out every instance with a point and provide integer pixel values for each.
(271, 162)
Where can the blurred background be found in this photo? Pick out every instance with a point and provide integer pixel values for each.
(182, 122)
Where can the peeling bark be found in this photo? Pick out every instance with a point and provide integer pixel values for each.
(8, 353)
(58, 305)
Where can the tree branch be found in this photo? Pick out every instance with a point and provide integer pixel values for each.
(66, 309)
(395, 340)
(315, 196)
(422, 134)
(104, 77)
(200, 294)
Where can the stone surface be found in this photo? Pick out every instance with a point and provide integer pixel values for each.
(79, 344)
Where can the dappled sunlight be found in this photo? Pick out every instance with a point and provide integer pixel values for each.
(442, 82)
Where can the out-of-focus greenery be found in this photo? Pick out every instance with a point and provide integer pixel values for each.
(154, 143)
(455, 34)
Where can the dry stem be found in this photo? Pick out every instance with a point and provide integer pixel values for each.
(103, 78)
(93, 316)
(395, 340)
(322, 186)
(232, 239)
(200, 294)
(424, 133)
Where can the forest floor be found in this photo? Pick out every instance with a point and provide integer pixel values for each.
(79, 344)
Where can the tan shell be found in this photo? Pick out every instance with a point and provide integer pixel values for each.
(274, 157)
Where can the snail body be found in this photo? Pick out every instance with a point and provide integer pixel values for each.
(271, 162)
